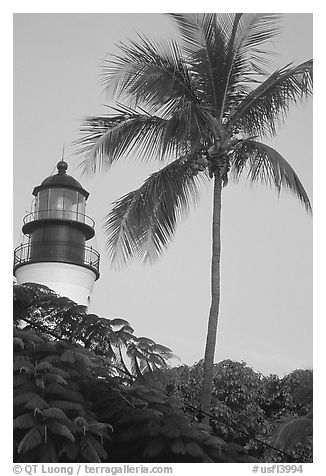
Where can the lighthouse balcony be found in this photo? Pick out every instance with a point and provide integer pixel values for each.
(77, 219)
(57, 251)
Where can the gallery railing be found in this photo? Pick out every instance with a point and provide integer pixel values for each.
(59, 215)
(57, 251)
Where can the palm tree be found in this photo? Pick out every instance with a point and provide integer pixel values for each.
(199, 107)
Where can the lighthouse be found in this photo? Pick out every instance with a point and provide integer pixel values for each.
(57, 230)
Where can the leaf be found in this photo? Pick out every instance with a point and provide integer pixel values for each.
(56, 413)
(23, 365)
(156, 359)
(49, 347)
(100, 428)
(24, 421)
(81, 422)
(60, 429)
(54, 378)
(145, 340)
(68, 356)
(154, 448)
(20, 379)
(58, 371)
(69, 449)
(67, 394)
(48, 454)
(65, 405)
(215, 441)
(194, 450)
(18, 342)
(36, 402)
(32, 439)
(96, 445)
(50, 358)
(88, 451)
(119, 322)
(24, 397)
(84, 359)
(43, 366)
(125, 330)
(162, 349)
(169, 430)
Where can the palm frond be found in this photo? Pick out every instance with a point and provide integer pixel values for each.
(224, 51)
(149, 137)
(203, 30)
(143, 222)
(205, 38)
(291, 432)
(211, 60)
(148, 73)
(246, 54)
(266, 164)
(262, 109)
(255, 31)
(107, 138)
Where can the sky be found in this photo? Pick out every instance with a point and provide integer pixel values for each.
(266, 275)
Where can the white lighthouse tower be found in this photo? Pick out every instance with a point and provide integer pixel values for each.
(56, 253)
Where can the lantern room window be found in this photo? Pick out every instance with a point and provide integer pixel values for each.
(60, 203)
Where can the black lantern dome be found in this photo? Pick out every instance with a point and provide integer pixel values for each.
(61, 179)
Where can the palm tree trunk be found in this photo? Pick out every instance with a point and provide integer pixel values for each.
(206, 395)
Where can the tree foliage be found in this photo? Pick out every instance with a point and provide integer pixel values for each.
(72, 402)
(248, 406)
(76, 398)
(59, 317)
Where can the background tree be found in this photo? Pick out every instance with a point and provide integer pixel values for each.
(250, 409)
(202, 103)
